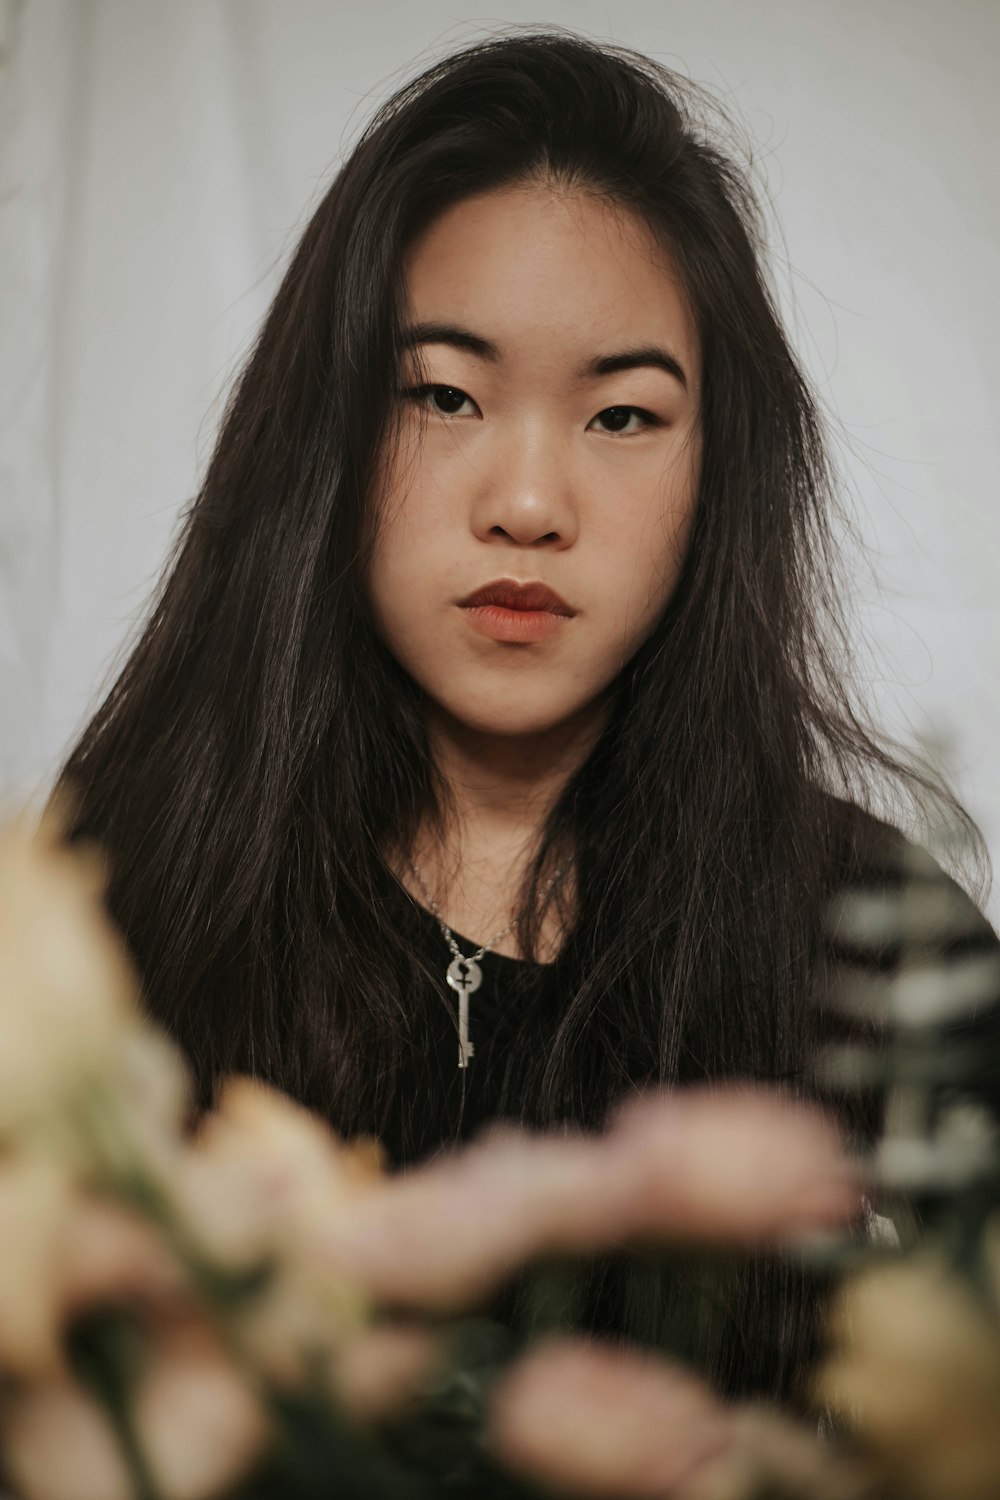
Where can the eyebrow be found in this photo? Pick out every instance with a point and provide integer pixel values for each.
(649, 355)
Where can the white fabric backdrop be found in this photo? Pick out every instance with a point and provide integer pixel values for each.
(157, 162)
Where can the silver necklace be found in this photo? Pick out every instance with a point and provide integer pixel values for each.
(463, 973)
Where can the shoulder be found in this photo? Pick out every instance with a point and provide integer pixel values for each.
(882, 878)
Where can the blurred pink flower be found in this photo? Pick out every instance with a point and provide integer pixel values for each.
(600, 1421)
(383, 1368)
(110, 1254)
(728, 1166)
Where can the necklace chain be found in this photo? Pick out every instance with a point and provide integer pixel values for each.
(450, 936)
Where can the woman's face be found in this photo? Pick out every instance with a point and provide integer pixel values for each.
(555, 441)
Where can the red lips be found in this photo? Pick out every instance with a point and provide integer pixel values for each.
(507, 593)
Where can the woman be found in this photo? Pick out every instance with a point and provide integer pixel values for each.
(501, 644)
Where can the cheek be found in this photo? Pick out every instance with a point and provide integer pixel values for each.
(396, 582)
(643, 545)
(405, 537)
(417, 568)
(424, 493)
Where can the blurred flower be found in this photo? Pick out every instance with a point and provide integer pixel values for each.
(382, 1369)
(59, 1444)
(152, 1091)
(263, 1172)
(197, 1422)
(61, 1251)
(603, 1421)
(441, 1235)
(916, 1372)
(67, 986)
(197, 1419)
(729, 1164)
(770, 1455)
(688, 1165)
(110, 1254)
(36, 1207)
(260, 1186)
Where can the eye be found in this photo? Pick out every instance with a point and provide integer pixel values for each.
(620, 416)
(448, 399)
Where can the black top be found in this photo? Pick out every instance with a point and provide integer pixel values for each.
(518, 1006)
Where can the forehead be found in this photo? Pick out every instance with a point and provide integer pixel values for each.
(549, 274)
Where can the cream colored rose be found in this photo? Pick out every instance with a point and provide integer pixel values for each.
(59, 1445)
(67, 986)
(36, 1212)
(198, 1422)
(264, 1173)
(263, 1181)
(61, 1251)
(916, 1368)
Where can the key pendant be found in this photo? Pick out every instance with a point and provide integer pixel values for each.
(465, 1047)
(465, 976)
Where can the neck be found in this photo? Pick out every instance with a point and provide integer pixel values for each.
(500, 789)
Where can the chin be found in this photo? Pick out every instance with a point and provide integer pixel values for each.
(512, 725)
(511, 713)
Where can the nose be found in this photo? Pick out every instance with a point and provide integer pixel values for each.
(525, 494)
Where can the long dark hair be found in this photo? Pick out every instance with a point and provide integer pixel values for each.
(260, 748)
